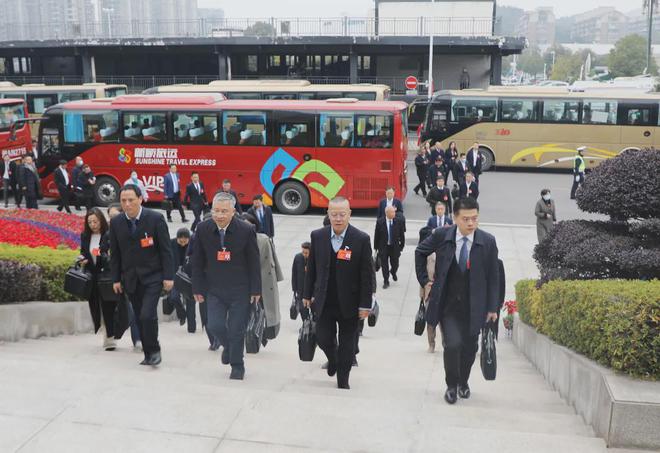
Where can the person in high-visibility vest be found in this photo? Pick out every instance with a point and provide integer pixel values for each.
(578, 171)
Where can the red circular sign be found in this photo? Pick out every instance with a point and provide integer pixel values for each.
(411, 82)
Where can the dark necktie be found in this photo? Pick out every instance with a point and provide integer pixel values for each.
(463, 257)
(133, 225)
(222, 237)
(389, 232)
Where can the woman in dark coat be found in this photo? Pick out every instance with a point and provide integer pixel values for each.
(94, 247)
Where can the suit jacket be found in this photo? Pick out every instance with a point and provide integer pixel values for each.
(267, 226)
(433, 222)
(59, 179)
(102, 261)
(235, 279)
(476, 169)
(354, 277)
(85, 183)
(196, 200)
(130, 263)
(474, 190)
(12, 172)
(484, 277)
(168, 184)
(443, 195)
(298, 274)
(460, 171)
(397, 234)
(28, 179)
(75, 172)
(383, 204)
(435, 171)
(178, 255)
(421, 165)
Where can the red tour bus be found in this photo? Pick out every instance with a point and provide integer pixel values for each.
(296, 153)
(15, 139)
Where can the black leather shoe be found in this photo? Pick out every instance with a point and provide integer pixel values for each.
(145, 361)
(464, 391)
(214, 346)
(342, 382)
(324, 366)
(450, 395)
(154, 359)
(394, 276)
(184, 220)
(225, 356)
(332, 368)
(182, 321)
(237, 373)
(386, 285)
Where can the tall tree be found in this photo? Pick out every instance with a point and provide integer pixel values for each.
(628, 58)
(650, 6)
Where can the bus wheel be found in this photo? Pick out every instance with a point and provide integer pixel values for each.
(107, 191)
(291, 198)
(489, 159)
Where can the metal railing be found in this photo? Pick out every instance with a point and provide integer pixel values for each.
(260, 27)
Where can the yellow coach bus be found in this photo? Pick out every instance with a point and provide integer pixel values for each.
(542, 127)
(280, 90)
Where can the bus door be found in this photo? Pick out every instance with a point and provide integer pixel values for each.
(50, 151)
(436, 126)
(639, 122)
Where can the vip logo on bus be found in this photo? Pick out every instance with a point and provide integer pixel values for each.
(503, 132)
(292, 168)
(125, 156)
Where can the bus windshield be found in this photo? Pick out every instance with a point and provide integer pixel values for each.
(9, 114)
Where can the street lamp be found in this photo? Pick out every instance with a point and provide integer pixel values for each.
(430, 81)
(109, 11)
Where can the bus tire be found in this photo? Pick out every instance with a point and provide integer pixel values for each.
(489, 159)
(291, 197)
(106, 191)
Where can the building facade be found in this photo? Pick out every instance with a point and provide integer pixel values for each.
(538, 26)
(603, 25)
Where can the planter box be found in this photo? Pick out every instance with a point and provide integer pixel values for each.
(622, 410)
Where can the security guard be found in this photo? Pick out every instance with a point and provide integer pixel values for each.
(578, 171)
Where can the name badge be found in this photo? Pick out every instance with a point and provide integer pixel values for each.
(96, 251)
(344, 254)
(469, 191)
(146, 241)
(224, 255)
(445, 199)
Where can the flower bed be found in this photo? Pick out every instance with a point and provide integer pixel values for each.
(35, 228)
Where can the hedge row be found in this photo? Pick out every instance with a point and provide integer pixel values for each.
(52, 264)
(614, 322)
(21, 282)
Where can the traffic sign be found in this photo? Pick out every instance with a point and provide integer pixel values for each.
(411, 82)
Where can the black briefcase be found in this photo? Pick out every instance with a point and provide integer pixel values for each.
(78, 282)
(293, 309)
(488, 352)
(121, 317)
(255, 328)
(183, 283)
(373, 314)
(105, 287)
(307, 338)
(420, 318)
(376, 261)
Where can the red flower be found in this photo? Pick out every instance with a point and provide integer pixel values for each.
(511, 307)
(22, 233)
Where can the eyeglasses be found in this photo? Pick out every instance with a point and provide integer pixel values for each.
(473, 219)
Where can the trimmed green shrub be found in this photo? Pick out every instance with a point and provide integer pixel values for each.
(53, 264)
(21, 282)
(614, 322)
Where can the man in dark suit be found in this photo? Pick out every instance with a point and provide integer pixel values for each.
(389, 200)
(8, 172)
(440, 219)
(339, 287)
(225, 267)
(389, 240)
(141, 263)
(64, 186)
(75, 174)
(439, 193)
(469, 188)
(298, 273)
(172, 187)
(179, 252)
(464, 291)
(29, 182)
(422, 168)
(475, 160)
(460, 169)
(226, 187)
(264, 216)
(436, 170)
(195, 198)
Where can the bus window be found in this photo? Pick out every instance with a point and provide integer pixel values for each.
(9, 114)
(38, 103)
(244, 128)
(91, 127)
(362, 96)
(247, 96)
(637, 114)
(74, 96)
(560, 111)
(150, 127)
(599, 112)
(12, 95)
(114, 92)
(470, 110)
(322, 95)
(294, 129)
(336, 129)
(195, 127)
(280, 96)
(374, 131)
(518, 110)
(438, 117)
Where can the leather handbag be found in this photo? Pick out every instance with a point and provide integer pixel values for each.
(78, 282)
(488, 352)
(373, 314)
(293, 309)
(307, 337)
(376, 261)
(420, 318)
(105, 287)
(255, 328)
(183, 283)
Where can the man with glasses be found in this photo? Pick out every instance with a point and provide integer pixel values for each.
(464, 292)
(339, 287)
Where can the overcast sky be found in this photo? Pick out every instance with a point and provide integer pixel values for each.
(316, 8)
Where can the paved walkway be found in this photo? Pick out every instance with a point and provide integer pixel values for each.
(65, 394)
